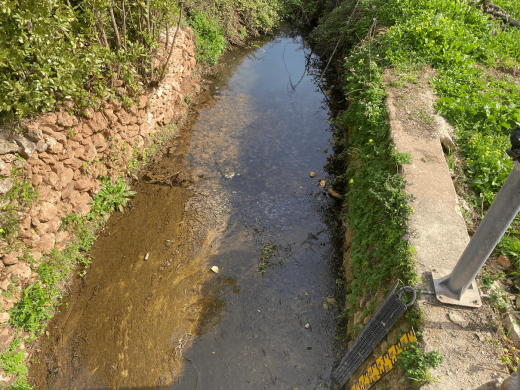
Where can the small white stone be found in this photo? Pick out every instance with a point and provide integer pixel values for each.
(214, 269)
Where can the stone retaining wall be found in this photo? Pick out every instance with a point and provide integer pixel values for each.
(64, 155)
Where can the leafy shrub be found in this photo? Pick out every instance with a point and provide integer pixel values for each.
(34, 308)
(113, 196)
(415, 363)
(210, 38)
(12, 362)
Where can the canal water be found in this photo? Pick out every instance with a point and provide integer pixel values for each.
(151, 314)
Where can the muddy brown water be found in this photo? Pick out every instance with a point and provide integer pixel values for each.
(168, 321)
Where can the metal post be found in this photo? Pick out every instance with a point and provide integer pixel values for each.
(457, 287)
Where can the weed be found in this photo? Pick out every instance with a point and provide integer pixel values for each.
(113, 196)
(403, 158)
(187, 99)
(487, 279)
(34, 308)
(415, 364)
(209, 37)
(11, 361)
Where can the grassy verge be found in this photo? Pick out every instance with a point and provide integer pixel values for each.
(475, 57)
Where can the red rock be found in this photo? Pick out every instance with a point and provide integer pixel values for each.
(45, 243)
(504, 261)
(36, 180)
(168, 116)
(98, 122)
(58, 168)
(77, 174)
(51, 179)
(62, 236)
(47, 194)
(112, 118)
(4, 317)
(86, 131)
(26, 222)
(64, 119)
(84, 209)
(34, 160)
(77, 200)
(83, 185)
(11, 258)
(48, 119)
(132, 119)
(133, 110)
(5, 282)
(49, 130)
(116, 105)
(73, 145)
(143, 100)
(99, 141)
(79, 152)
(66, 191)
(66, 177)
(53, 146)
(132, 130)
(47, 212)
(119, 128)
(88, 113)
(52, 226)
(123, 117)
(20, 270)
(5, 169)
(78, 137)
(90, 153)
(61, 138)
(47, 159)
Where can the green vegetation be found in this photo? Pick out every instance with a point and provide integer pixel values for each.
(473, 55)
(40, 299)
(210, 38)
(113, 196)
(268, 251)
(16, 200)
(84, 51)
(12, 362)
(416, 364)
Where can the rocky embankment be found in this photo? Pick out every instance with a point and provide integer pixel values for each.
(64, 156)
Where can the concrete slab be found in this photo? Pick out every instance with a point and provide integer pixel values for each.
(438, 233)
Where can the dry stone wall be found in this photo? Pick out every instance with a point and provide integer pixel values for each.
(64, 155)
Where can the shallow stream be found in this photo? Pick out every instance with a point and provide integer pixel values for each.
(150, 313)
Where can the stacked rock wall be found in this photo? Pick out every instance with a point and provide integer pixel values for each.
(64, 155)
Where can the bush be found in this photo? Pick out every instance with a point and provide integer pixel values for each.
(113, 196)
(32, 310)
(415, 363)
(210, 41)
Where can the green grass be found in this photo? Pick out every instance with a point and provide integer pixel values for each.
(483, 105)
(415, 364)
